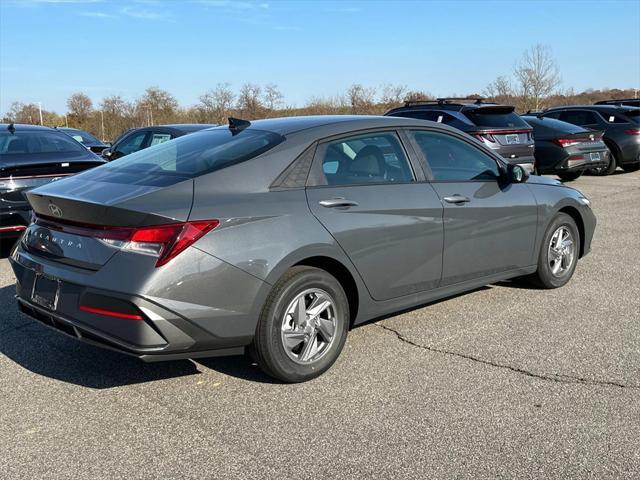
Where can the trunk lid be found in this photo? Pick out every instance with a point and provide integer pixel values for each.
(66, 210)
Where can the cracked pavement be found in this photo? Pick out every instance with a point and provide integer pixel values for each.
(502, 382)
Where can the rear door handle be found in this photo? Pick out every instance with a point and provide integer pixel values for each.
(338, 202)
(457, 199)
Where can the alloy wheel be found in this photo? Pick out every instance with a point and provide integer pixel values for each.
(309, 326)
(561, 251)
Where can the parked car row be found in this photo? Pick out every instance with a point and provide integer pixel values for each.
(574, 139)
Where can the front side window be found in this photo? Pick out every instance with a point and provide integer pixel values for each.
(370, 158)
(197, 153)
(452, 159)
(37, 141)
(132, 143)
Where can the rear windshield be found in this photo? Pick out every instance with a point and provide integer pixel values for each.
(198, 153)
(81, 136)
(500, 119)
(37, 141)
(551, 125)
(634, 115)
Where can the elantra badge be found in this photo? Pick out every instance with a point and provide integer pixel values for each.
(55, 210)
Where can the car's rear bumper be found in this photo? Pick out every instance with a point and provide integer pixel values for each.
(164, 328)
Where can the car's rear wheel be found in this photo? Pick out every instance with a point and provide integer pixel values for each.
(558, 254)
(303, 325)
(631, 167)
(569, 176)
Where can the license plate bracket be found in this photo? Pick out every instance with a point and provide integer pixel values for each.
(46, 291)
(512, 138)
(594, 156)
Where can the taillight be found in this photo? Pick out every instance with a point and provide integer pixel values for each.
(566, 142)
(165, 241)
(633, 131)
(485, 136)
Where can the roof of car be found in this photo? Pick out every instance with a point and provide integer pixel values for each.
(625, 108)
(336, 123)
(24, 126)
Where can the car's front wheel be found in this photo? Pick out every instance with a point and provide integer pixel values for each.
(558, 253)
(303, 325)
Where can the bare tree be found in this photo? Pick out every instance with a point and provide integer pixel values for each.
(249, 101)
(80, 109)
(537, 75)
(499, 88)
(118, 115)
(361, 98)
(393, 95)
(216, 104)
(418, 95)
(157, 106)
(273, 97)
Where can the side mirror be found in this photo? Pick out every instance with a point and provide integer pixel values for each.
(106, 153)
(517, 174)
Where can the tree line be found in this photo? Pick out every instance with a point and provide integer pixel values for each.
(534, 84)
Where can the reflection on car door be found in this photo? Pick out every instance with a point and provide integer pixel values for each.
(366, 195)
(489, 227)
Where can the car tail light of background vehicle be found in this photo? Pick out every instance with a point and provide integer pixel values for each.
(633, 131)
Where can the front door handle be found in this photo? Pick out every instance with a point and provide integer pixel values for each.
(457, 199)
(338, 202)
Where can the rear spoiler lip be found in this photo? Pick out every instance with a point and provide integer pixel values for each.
(493, 109)
(598, 134)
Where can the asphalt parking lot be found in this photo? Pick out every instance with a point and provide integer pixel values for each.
(503, 382)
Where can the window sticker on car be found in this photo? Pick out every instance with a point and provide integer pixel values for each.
(440, 117)
(612, 119)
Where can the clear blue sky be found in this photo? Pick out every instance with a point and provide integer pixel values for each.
(52, 48)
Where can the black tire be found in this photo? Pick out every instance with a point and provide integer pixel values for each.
(268, 345)
(569, 176)
(544, 276)
(607, 169)
(631, 167)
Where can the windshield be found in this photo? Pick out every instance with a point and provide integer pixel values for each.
(496, 120)
(37, 141)
(81, 136)
(634, 115)
(198, 153)
(551, 125)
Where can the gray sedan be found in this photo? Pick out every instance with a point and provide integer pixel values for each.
(277, 236)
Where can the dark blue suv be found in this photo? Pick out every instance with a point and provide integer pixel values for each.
(496, 126)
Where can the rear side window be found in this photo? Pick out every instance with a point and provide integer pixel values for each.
(158, 138)
(37, 141)
(81, 136)
(198, 153)
(372, 158)
(486, 118)
(579, 117)
(633, 115)
(451, 159)
(435, 116)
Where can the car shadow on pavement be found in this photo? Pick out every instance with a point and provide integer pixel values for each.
(5, 247)
(239, 366)
(53, 354)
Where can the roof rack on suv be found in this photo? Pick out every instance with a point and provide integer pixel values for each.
(619, 101)
(444, 100)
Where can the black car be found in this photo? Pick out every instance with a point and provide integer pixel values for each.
(621, 126)
(565, 149)
(31, 156)
(625, 102)
(140, 138)
(495, 126)
(85, 138)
